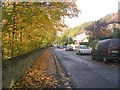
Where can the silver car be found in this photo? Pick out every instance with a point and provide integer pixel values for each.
(83, 49)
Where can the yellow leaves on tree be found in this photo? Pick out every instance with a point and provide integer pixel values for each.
(33, 25)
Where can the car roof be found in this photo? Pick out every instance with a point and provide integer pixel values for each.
(69, 46)
(105, 40)
(82, 45)
(108, 40)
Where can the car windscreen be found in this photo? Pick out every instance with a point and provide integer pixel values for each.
(115, 44)
(69, 46)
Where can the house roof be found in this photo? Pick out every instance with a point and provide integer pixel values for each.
(114, 18)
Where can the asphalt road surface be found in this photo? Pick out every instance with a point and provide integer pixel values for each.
(87, 73)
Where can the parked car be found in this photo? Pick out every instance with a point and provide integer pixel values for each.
(108, 49)
(69, 48)
(60, 47)
(83, 49)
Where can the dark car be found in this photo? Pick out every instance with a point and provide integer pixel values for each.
(108, 49)
(69, 48)
(60, 47)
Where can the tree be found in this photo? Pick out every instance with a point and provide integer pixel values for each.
(116, 33)
(31, 25)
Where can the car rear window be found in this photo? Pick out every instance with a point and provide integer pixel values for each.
(69, 46)
(83, 47)
(115, 44)
(103, 45)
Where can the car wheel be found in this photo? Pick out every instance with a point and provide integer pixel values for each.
(105, 60)
(76, 53)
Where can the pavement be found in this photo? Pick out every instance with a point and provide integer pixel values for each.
(46, 72)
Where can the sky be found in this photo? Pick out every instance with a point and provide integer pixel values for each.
(92, 10)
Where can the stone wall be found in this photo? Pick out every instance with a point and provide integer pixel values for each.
(14, 68)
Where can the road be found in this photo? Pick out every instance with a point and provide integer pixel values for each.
(87, 73)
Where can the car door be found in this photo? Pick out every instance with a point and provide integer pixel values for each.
(115, 47)
(98, 51)
(95, 52)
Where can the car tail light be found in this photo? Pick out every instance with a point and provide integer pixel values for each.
(108, 51)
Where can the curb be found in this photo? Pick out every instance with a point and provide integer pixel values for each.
(61, 72)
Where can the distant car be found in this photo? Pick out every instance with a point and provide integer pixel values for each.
(60, 47)
(69, 48)
(108, 49)
(83, 49)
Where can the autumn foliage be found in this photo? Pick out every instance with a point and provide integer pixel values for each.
(27, 26)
